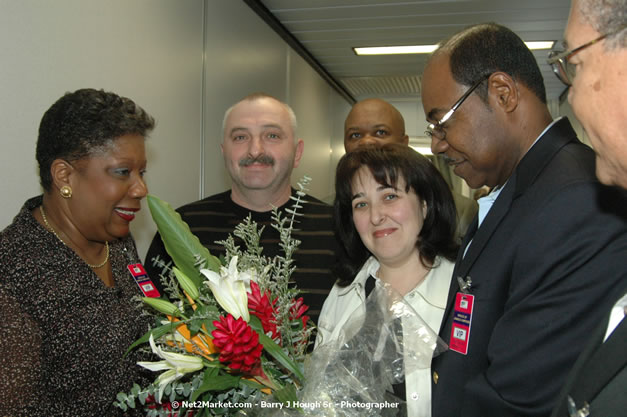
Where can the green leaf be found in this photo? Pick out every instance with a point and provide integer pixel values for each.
(142, 397)
(212, 381)
(179, 241)
(157, 332)
(252, 384)
(275, 350)
(209, 325)
(194, 326)
(285, 394)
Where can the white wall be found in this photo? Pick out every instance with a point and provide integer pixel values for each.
(340, 109)
(309, 97)
(148, 50)
(185, 62)
(245, 55)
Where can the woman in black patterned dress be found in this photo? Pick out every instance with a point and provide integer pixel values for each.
(67, 314)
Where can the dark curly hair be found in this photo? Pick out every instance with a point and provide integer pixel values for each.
(387, 164)
(84, 122)
(480, 50)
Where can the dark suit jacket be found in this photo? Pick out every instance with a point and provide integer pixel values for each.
(599, 377)
(543, 265)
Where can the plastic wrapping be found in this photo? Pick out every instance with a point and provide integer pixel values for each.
(354, 374)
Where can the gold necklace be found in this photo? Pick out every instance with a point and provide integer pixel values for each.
(100, 265)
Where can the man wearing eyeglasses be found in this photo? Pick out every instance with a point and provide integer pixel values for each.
(374, 121)
(594, 66)
(542, 257)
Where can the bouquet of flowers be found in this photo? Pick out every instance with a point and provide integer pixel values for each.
(232, 332)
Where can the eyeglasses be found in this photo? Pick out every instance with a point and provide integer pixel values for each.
(566, 71)
(435, 129)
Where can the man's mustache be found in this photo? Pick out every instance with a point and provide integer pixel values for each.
(261, 159)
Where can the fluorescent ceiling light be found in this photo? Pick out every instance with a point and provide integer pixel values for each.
(425, 150)
(539, 44)
(391, 50)
(427, 49)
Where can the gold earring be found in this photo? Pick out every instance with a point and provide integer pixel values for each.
(66, 191)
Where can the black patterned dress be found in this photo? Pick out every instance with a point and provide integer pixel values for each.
(63, 333)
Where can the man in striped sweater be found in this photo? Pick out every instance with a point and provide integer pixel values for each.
(260, 150)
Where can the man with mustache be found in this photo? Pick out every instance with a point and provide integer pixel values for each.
(260, 150)
(546, 252)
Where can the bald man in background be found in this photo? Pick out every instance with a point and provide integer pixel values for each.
(374, 121)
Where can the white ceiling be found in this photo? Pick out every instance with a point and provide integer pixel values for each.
(328, 29)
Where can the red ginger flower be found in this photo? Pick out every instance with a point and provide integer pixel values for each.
(261, 307)
(298, 309)
(238, 343)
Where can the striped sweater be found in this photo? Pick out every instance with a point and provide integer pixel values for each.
(213, 218)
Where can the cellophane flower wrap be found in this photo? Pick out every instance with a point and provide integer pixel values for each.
(355, 373)
(229, 332)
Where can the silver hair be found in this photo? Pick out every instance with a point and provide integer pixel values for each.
(607, 16)
(258, 96)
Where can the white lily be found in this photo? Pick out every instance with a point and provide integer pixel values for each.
(229, 289)
(175, 364)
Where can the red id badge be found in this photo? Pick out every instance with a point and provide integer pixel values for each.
(462, 318)
(143, 280)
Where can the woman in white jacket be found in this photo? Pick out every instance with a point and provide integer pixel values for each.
(396, 219)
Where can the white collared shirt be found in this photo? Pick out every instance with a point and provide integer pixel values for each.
(428, 299)
(617, 314)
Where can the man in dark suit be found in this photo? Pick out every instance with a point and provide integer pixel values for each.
(595, 51)
(546, 251)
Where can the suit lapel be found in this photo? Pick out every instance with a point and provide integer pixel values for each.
(479, 237)
(496, 214)
(530, 166)
(454, 287)
(605, 360)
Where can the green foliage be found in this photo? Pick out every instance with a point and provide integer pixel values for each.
(214, 381)
(282, 358)
(183, 247)
(156, 332)
(275, 350)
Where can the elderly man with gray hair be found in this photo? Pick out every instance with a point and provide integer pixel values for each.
(594, 66)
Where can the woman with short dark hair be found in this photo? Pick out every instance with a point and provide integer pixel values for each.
(396, 219)
(65, 290)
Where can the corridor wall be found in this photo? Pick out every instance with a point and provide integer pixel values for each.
(184, 62)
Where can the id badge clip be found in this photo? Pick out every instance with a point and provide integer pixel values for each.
(143, 280)
(462, 317)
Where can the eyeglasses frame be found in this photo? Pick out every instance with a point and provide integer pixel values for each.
(559, 60)
(431, 128)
